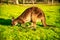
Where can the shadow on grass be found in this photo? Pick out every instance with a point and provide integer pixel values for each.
(59, 10)
(47, 25)
(5, 21)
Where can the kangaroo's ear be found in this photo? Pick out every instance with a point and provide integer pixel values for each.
(12, 18)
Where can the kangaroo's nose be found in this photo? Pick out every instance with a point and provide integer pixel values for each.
(11, 24)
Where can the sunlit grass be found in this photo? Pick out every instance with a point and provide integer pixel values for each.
(8, 32)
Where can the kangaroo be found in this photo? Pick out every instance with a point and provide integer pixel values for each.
(32, 14)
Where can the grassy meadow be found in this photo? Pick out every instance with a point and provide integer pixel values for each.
(8, 32)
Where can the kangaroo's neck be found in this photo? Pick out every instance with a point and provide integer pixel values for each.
(20, 20)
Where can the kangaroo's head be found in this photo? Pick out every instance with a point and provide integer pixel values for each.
(14, 21)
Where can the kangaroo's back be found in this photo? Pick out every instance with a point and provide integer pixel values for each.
(26, 12)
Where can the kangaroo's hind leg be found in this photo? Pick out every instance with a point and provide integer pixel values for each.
(43, 20)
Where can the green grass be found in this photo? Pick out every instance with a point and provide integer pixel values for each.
(8, 32)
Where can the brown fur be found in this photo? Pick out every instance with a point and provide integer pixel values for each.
(31, 14)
